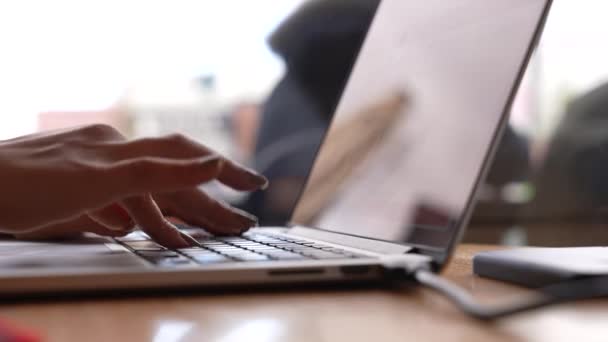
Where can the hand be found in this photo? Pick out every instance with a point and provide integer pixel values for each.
(91, 179)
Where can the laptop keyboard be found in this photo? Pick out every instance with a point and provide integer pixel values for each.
(250, 247)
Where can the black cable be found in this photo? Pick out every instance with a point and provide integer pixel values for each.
(578, 289)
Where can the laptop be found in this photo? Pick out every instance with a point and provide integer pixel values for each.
(393, 183)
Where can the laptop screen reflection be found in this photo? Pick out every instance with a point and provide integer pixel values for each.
(413, 127)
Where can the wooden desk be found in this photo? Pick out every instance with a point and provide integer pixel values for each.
(317, 315)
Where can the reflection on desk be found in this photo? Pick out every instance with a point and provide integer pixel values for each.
(312, 315)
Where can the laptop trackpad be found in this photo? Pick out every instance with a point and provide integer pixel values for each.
(86, 253)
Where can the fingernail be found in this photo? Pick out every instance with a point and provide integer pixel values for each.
(245, 217)
(240, 214)
(245, 230)
(265, 184)
(190, 239)
(184, 242)
(258, 179)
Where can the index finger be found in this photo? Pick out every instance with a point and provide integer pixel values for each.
(241, 178)
(179, 147)
(146, 214)
(153, 175)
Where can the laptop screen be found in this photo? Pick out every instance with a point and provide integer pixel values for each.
(417, 118)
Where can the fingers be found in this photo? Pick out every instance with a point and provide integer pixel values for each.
(241, 178)
(198, 209)
(179, 147)
(71, 228)
(150, 219)
(87, 133)
(175, 146)
(144, 175)
(113, 217)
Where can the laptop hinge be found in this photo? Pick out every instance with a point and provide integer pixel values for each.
(371, 245)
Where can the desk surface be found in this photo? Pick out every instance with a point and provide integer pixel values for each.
(316, 315)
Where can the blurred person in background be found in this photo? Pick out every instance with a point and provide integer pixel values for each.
(571, 182)
(319, 43)
(244, 119)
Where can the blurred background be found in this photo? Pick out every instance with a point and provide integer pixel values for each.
(258, 82)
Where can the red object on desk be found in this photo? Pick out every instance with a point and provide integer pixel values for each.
(10, 332)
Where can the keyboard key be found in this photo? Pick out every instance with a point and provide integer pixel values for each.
(264, 249)
(175, 262)
(300, 248)
(225, 245)
(298, 241)
(286, 256)
(212, 243)
(265, 240)
(194, 249)
(198, 251)
(284, 243)
(231, 239)
(158, 254)
(251, 257)
(144, 245)
(248, 244)
(333, 249)
(315, 245)
(226, 249)
(135, 236)
(237, 252)
(210, 258)
(169, 261)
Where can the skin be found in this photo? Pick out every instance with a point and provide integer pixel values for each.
(92, 179)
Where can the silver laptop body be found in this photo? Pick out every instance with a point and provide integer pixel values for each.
(432, 86)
